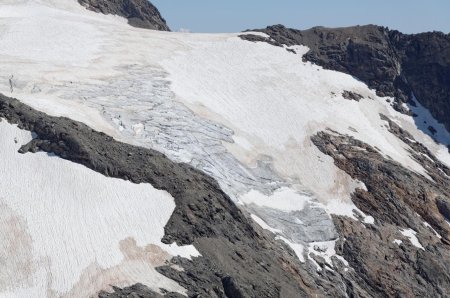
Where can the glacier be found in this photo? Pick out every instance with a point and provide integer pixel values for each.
(241, 112)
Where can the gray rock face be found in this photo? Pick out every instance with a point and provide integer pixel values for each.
(393, 63)
(425, 61)
(140, 13)
(388, 263)
(352, 95)
(136, 291)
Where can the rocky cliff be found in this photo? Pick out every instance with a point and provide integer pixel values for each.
(401, 201)
(393, 63)
(140, 13)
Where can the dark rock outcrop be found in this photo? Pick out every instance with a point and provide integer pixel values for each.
(136, 291)
(350, 95)
(398, 199)
(393, 63)
(425, 62)
(140, 13)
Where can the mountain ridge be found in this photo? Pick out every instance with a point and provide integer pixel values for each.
(139, 13)
(284, 179)
(393, 63)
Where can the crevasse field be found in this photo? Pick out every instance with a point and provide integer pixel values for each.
(242, 112)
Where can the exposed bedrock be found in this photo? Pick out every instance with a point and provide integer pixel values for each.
(140, 13)
(406, 207)
(138, 290)
(352, 95)
(393, 63)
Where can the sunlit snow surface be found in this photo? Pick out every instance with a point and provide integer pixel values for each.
(63, 224)
(242, 112)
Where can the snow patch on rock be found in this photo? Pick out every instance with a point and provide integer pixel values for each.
(433, 230)
(397, 241)
(411, 234)
(326, 250)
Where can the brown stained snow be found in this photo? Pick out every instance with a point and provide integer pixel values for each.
(16, 255)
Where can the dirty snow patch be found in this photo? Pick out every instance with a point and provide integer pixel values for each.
(341, 208)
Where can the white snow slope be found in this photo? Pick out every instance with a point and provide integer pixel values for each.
(242, 112)
(66, 230)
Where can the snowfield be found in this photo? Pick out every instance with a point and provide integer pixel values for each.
(69, 231)
(242, 112)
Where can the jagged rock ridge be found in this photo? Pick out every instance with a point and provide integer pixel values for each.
(399, 199)
(140, 13)
(393, 63)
